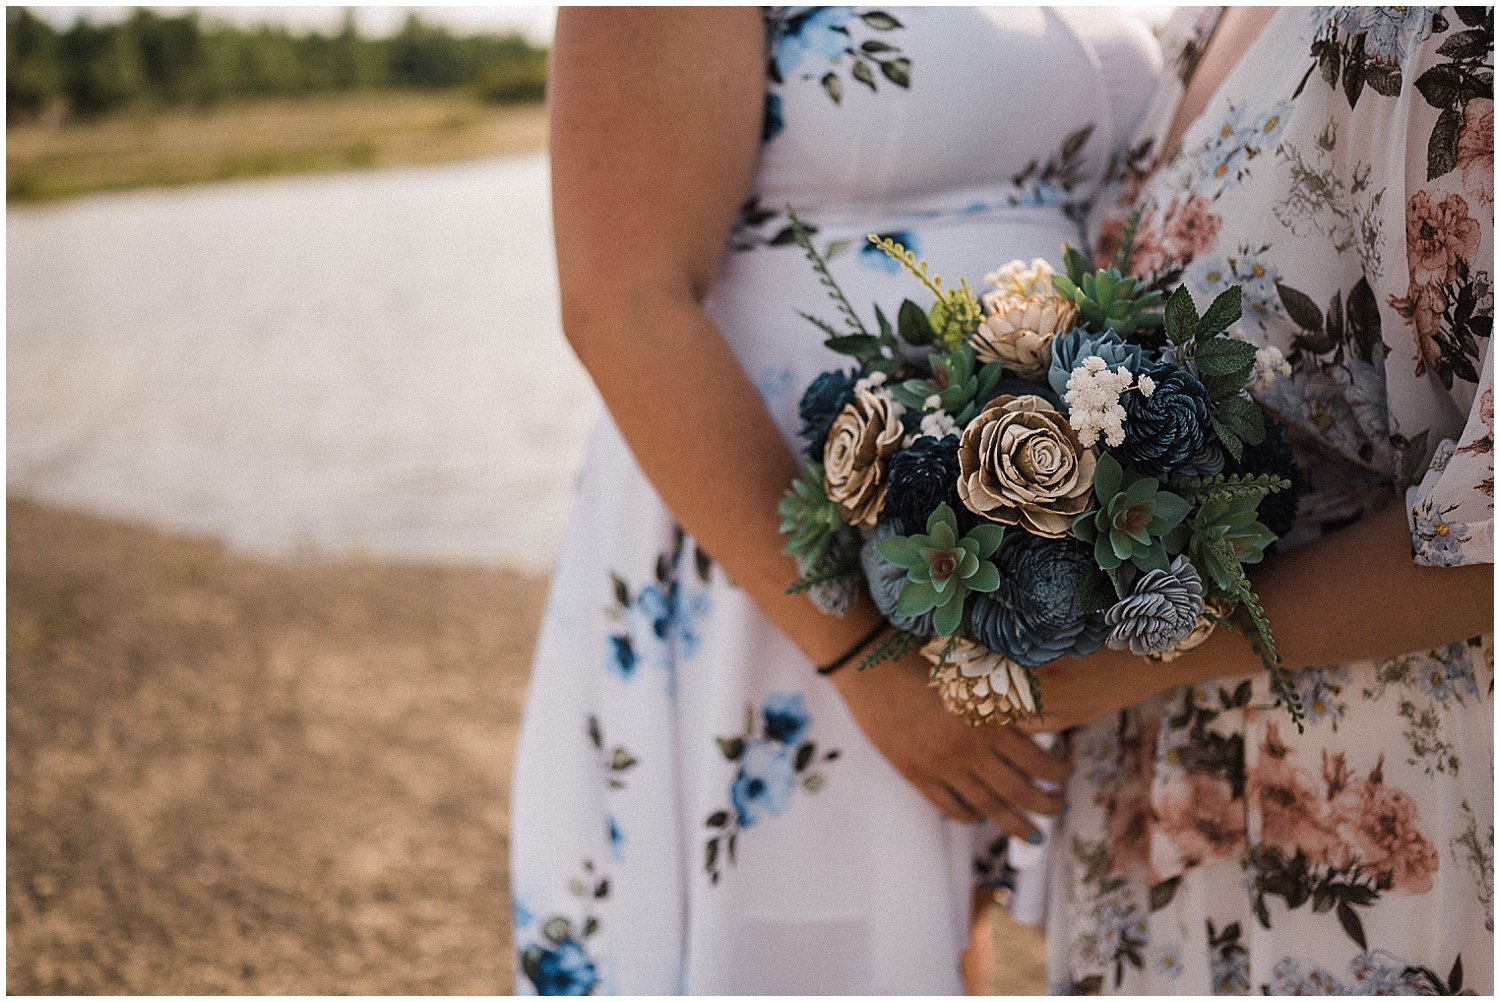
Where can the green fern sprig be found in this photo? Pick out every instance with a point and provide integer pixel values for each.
(820, 324)
(892, 647)
(945, 652)
(1233, 487)
(1265, 646)
(1127, 240)
(803, 236)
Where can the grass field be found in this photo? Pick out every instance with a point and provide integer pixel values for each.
(45, 162)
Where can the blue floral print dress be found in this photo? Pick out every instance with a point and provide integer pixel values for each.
(1343, 175)
(694, 809)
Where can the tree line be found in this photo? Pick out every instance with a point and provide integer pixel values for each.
(155, 60)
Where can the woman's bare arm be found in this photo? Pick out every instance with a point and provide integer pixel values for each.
(655, 117)
(1351, 596)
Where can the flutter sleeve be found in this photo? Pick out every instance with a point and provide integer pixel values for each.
(1435, 158)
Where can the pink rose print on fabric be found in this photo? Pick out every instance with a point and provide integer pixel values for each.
(1197, 818)
(1189, 228)
(1422, 307)
(1440, 236)
(1381, 823)
(1476, 149)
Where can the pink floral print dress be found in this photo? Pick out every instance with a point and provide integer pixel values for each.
(1343, 175)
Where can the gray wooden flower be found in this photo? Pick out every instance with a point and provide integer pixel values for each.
(1161, 610)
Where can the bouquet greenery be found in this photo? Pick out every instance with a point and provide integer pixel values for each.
(1063, 462)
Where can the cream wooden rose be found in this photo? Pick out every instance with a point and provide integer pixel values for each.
(1020, 463)
(1018, 332)
(979, 685)
(866, 433)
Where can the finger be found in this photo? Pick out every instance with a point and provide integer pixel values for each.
(1015, 787)
(953, 806)
(1031, 758)
(996, 808)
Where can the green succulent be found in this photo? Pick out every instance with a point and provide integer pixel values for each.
(1136, 522)
(1107, 299)
(808, 516)
(1225, 536)
(957, 380)
(942, 568)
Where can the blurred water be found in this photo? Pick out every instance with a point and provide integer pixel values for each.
(358, 363)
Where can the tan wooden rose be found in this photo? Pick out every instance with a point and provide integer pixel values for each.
(866, 433)
(1018, 331)
(1020, 463)
(979, 685)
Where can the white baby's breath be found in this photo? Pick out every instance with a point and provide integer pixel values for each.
(939, 424)
(1269, 365)
(1093, 399)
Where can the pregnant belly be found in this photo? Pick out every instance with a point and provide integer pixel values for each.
(759, 294)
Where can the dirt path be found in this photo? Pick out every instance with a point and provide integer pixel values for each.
(233, 776)
(229, 776)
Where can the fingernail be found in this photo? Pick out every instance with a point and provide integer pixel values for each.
(1036, 838)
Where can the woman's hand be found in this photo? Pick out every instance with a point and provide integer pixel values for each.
(966, 772)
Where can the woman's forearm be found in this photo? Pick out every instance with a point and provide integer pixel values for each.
(1351, 596)
(656, 116)
(702, 435)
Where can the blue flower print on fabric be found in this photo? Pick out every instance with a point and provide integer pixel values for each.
(1370, 973)
(661, 621)
(773, 755)
(1391, 33)
(785, 715)
(565, 969)
(616, 840)
(765, 783)
(614, 765)
(820, 37)
(773, 123)
(834, 47)
(555, 959)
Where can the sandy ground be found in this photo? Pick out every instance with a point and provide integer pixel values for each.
(227, 775)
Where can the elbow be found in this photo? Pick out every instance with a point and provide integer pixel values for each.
(602, 310)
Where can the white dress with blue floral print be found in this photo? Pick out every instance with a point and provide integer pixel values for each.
(694, 809)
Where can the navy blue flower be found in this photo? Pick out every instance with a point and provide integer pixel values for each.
(825, 397)
(922, 476)
(765, 783)
(1069, 349)
(785, 714)
(874, 258)
(565, 969)
(820, 33)
(1033, 617)
(621, 657)
(1165, 431)
(1274, 456)
(886, 579)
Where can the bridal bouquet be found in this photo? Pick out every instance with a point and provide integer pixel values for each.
(1059, 463)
